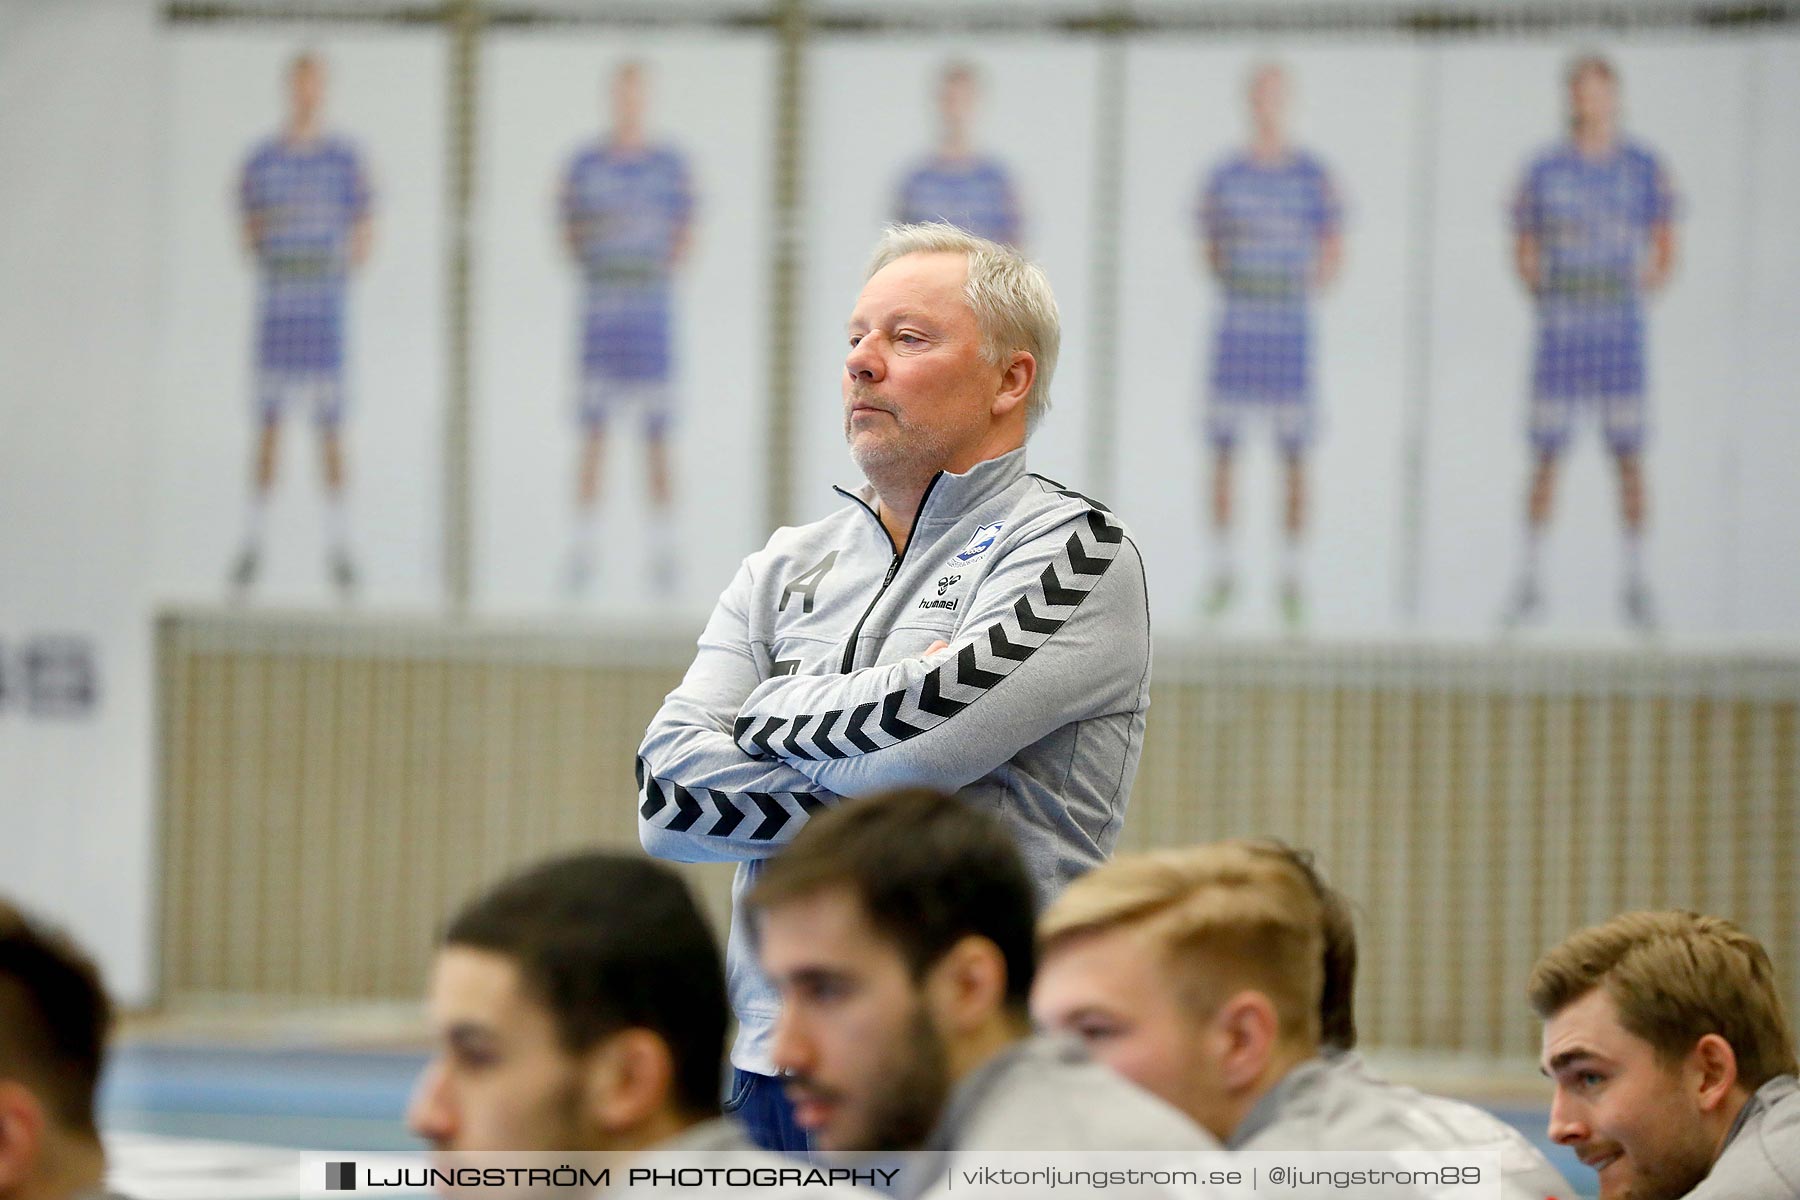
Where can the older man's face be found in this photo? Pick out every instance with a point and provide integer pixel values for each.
(918, 395)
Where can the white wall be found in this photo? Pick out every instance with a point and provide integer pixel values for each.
(1766, 494)
(80, 87)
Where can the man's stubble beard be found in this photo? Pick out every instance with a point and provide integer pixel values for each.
(910, 1097)
(905, 457)
(1675, 1176)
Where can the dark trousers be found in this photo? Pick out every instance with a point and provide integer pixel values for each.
(759, 1103)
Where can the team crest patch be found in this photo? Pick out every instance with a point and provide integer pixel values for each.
(981, 542)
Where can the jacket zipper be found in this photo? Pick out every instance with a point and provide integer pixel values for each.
(893, 567)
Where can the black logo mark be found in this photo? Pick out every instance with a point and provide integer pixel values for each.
(806, 584)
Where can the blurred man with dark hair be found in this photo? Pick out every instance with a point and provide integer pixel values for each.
(898, 932)
(957, 184)
(304, 200)
(579, 1006)
(1213, 975)
(1594, 225)
(54, 1020)
(1673, 1059)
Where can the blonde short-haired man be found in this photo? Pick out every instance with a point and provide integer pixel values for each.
(1673, 1059)
(1219, 977)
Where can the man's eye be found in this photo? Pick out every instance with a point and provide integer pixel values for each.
(1588, 1079)
(855, 338)
(910, 339)
(1096, 1031)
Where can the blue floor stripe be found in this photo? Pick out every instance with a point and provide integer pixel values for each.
(158, 1078)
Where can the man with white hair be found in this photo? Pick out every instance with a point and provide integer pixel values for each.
(960, 624)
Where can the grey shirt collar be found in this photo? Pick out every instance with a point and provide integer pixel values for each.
(978, 1085)
(1268, 1109)
(1761, 1100)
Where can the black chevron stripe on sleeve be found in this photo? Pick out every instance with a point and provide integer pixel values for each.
(1070, 492)
(731, 812)
(1093, 545)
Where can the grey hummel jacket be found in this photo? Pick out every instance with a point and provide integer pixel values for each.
(811, 684)
(1335, 1102)
(1761, 1158)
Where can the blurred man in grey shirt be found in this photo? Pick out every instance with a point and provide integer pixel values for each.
(1220, 977)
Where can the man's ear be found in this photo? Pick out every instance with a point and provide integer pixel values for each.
(1015, 384)
(22, 1124)
(1247, 1028)
(630, 1080)
(967, 986)
(1712, 1066)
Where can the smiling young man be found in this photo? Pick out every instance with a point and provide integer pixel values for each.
(1673, 1059)
(579, 1006)
(959, 623)
(898, 931)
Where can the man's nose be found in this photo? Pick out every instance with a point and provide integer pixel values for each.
(790, 1048)
(429, 1113)
(1567, 1126)
(864, 362)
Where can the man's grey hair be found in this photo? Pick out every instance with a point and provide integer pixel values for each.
(1009, 294)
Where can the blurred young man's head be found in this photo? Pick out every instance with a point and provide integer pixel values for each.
(959, 90)
(1268, 96)
(1195, 973)
(628, 96)
(54, 1019)
(577, 1006)
(1593, 94)
(899, 932)
(1658, 1026)
(306, 87)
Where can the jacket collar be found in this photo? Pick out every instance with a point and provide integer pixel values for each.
(1266, 1110)
(1764, 1097)
(952, 497)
